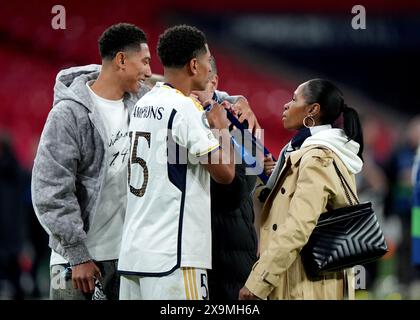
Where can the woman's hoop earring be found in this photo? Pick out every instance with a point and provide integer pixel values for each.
(310, 118)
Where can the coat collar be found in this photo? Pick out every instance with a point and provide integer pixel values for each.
(295, 156)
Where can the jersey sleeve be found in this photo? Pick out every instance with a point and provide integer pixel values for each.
(190, 131)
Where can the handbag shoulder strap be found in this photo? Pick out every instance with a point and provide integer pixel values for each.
(346, 186)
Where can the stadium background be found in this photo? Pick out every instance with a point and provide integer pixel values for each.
(264, 49)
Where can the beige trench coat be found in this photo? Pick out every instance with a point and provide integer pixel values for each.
(307, 186)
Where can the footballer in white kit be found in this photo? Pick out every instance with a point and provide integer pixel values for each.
(163, 229)
(167, 223)
(166, 242)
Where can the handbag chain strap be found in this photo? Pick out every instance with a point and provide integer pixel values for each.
(345, 185)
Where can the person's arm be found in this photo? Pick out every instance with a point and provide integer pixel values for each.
(223, 95)
(290, 237)
(240, 106)
(53, 192)
(269, 164)
(220, 163)
(245, 113)
(191, 129)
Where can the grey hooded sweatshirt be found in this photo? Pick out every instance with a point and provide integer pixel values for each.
(69, 167)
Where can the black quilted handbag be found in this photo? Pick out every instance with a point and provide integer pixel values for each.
(343, 237)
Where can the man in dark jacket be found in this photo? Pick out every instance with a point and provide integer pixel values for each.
(234, 240)
(234, 237)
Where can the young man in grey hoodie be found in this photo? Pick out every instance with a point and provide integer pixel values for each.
(79, 176)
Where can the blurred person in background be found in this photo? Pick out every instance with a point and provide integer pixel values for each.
(372, 185)
(37, 255)
(79, 179)
(399, 200)
(234, 240)
(415, 218)
(307, 186)
(11, 221)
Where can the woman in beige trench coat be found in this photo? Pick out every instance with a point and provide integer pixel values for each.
(306, 186)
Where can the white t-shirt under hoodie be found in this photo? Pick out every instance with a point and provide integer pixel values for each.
(104, 236)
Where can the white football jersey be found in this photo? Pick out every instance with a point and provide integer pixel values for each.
(167, 223)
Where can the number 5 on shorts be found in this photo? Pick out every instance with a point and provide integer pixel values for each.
(204, 289)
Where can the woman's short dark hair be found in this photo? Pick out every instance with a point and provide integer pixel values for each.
(332, 105)
(120, 37)
(179, 44)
